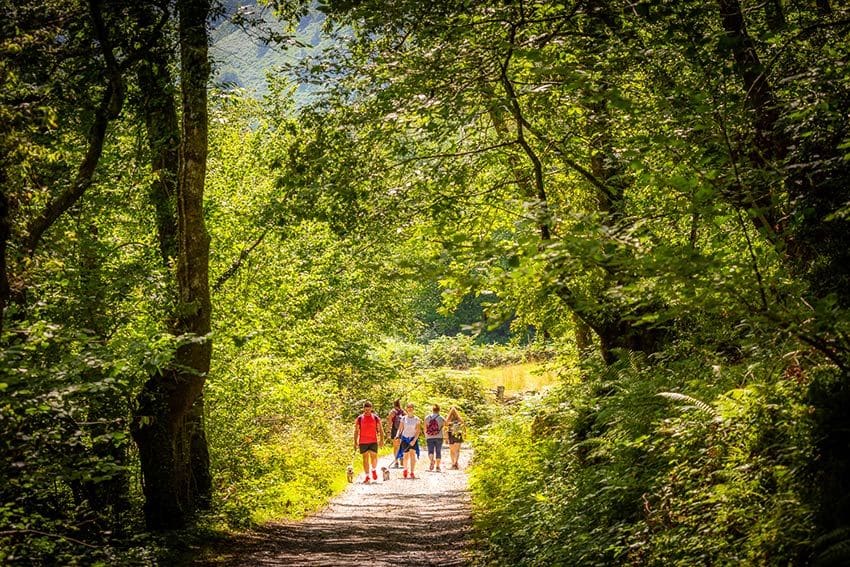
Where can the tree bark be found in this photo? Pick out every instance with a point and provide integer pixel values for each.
(164, 144)
(166, 401)
(5, 235)
(768, 146)
(583, 336)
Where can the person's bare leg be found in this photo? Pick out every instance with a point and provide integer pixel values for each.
(366, 464)
(374, 457)
(396, 460)
(455, 452)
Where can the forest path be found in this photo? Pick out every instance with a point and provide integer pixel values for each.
(411, 522)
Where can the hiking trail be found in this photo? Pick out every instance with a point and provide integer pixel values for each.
(412, 522)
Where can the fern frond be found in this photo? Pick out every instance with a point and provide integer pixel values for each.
(833, 548)
(836, 555)
(834, 536)
(693, 403)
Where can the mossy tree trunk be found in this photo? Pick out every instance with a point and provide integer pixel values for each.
(170, 401)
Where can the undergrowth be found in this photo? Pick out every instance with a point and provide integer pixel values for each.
(282, 449)
(670, 463)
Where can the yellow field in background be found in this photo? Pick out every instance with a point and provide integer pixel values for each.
(516, 378)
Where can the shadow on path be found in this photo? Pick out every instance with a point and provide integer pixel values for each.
(411, 522)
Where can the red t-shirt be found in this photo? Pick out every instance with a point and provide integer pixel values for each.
(368, 428)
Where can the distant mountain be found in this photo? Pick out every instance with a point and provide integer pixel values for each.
(243, 59)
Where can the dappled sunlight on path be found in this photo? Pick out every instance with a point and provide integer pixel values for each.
(421, 521)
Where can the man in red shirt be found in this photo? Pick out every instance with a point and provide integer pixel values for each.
(367, 434)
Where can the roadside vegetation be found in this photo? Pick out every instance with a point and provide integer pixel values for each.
(615, 234)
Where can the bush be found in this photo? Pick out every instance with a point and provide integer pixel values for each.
(613, 473)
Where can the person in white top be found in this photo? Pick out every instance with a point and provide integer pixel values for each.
(408, 432)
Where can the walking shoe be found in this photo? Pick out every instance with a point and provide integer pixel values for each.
(374, 474)
(455, 467)
(412, 475)
(405, 473)
(366, 480)
(438, 468)
(431, 467)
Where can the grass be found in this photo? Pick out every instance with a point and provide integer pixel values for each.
(516, 378)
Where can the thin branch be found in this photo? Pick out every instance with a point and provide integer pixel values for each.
(516, 110)
(234, 267)
(109, 109)
(754, 259)
(39, 225)
(148, 45)
(448, 155)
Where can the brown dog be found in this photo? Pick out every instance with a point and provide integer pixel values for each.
(386, 473)
(349, 472)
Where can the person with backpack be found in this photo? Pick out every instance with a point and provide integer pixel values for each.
(394, 419)
(409, 430)
(367, 434)
(455, 427)
(434, 425)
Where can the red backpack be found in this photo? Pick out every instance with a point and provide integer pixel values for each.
(432, 428)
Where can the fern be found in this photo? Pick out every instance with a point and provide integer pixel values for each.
(835, 546)
(693, 403)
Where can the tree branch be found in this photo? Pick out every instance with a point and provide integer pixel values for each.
(109, 108)
(234, 267)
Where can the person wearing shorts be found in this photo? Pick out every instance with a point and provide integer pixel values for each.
(367, 434)
(434, 425)
(454, 425)
(408, 435)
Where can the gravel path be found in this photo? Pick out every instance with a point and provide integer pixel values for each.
(410, 522)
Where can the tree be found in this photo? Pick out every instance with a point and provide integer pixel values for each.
(166, 402)
(631, 151)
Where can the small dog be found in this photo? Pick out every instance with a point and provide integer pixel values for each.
(386, 473)
(349, 472)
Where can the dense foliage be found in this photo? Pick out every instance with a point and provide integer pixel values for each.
(648, 198)
(664, 182)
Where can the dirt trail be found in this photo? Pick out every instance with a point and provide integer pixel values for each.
(423, 521)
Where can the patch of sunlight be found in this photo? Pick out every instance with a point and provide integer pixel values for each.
(517, 378)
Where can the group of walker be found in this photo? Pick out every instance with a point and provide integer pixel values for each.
(405, 431)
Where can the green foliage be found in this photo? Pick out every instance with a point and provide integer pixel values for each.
(607, 177)
(282, 447)
(462, 352)
(612, 475)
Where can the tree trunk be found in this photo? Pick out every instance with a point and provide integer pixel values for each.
(167, 399)
(583, 336)
(200, 487)
(775, 14)
(163, 144)
(5, 234)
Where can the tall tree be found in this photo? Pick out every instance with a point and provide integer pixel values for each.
(167, 399)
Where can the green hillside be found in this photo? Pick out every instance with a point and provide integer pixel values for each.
(243, 58)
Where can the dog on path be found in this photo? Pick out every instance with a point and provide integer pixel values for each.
(349, 472)
(386, 472)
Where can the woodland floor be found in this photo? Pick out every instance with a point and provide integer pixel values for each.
(423, 521)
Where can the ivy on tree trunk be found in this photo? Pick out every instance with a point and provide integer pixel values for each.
(166, 402)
